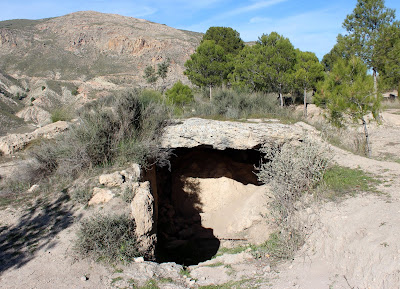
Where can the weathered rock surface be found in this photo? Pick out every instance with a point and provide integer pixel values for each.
(35, 114)
(143, 271)
(101, 196)
(112, 180)
(227, 134)
(142, 207)
(83, 45)
(12, 143)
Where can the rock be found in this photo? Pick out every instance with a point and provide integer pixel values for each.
(229, 259)
(35, 114)
(142, 207)
(135, 172)
(112, 180)
(101, 196)
(220, 135)
(34, 188)
(210, 275)
(84, 278)
(139, 260)
(12, 143)
(142, 210)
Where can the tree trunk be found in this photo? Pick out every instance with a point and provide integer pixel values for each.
(366, 137)
(375, 83)
(280, 94)
(210, 92)
(398, 91)
(305, 102)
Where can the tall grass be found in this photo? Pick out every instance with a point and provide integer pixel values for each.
(238, 104)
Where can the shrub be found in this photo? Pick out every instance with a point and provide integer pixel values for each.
(82, 196)
(291, 170)
(113, 130)
(75, 91)
(179, 94)
(61, 114)
(236, 104)
(109, 238)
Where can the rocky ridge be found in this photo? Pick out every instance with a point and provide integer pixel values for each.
(81, 46)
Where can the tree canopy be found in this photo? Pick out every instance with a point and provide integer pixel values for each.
(207, 67)
(364, 26)
(266, 66)
(226, 37)
(308, 71)
(348, 91)
(388, 51)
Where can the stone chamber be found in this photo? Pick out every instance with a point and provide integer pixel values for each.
(205, 199)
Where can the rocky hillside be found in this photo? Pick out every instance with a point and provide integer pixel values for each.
(74, 58)
(85, 45)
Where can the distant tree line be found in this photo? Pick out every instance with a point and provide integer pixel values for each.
(342, 80)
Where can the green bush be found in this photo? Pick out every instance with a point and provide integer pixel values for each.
(113, 130)
(291, 170)
(61, 114)
(108, 238)
(179, 94)
(75, 91)
(239, 103)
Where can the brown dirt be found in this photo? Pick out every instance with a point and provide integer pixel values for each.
(351, 244)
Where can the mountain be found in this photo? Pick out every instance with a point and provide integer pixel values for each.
(89, 52)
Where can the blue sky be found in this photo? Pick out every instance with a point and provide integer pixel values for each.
(311, 25)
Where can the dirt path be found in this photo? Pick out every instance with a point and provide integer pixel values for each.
(351, 244)
(355, 244)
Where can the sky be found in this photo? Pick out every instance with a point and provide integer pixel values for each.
(311, 25)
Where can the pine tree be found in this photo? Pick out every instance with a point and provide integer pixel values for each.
(207, 67)
(349, 91)
(364, 26)
(308, 71)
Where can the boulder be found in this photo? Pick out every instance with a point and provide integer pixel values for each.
(220, 135)
(112, 180)
(101, 196)
(142, 210)
(142, 207)
(12, 143)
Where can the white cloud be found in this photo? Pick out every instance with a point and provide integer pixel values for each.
(249, 8)
(314, 31)
(258, 19)
(230, 14)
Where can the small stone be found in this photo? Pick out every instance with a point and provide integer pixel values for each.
(101, 196)
(84, 278)
(34, 188)
(139, 260)
(267, 268)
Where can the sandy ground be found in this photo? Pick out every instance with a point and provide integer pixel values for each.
(355, 243)
(352, 244)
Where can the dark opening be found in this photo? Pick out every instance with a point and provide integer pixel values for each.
(181, 238)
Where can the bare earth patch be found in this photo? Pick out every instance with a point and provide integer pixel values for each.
(351, 244)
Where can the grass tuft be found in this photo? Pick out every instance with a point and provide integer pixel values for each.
(340, 181)
(107, 238)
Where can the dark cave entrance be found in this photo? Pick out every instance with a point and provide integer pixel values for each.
(181, 236)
